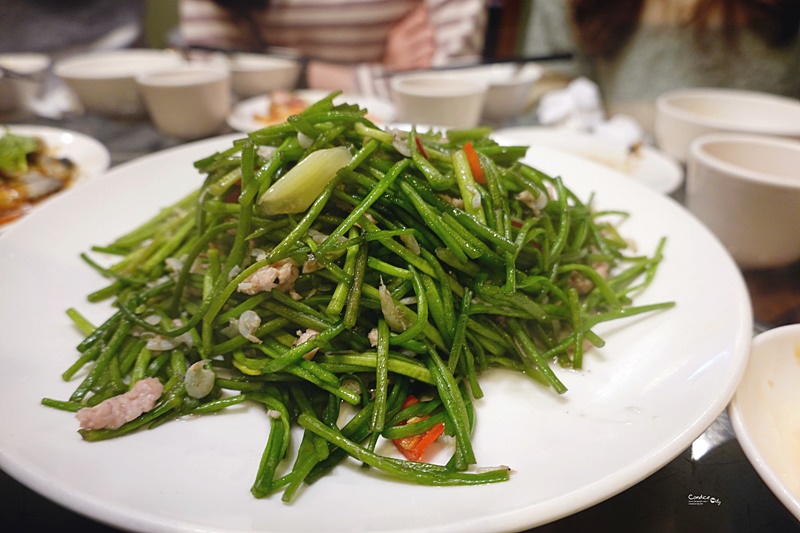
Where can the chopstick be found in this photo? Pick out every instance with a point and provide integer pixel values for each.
(557, 56)
(291, 54)
(270, 50)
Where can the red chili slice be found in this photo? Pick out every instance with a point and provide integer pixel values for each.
(474, 163)
(413, 447)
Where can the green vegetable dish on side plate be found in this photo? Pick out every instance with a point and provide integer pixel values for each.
(356, 282)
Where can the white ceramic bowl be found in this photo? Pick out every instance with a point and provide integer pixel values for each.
(17, 92)
(746, 189)
(188, 102)
(764, 412)
(510, 88)
(258, 74)
(439, 100)
(104, 82)
(686, 114)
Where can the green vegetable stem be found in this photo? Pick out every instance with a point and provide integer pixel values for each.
(327, 264)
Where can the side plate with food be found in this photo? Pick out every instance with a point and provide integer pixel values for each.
(261, 111)
(38, 163)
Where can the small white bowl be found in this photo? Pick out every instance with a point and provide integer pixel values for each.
(104, 82)
(764, 412)
(686, 114)
(258, 74)
(188, 102)
(439, 100)
(17, 93)
(510, 88)
(746, 189)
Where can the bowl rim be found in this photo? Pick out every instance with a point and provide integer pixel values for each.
(665, 104)
(698, 155)
(150, 78)
(254, 62)
(461, 86)
(527, 74)
(63, 68)
(35, 61)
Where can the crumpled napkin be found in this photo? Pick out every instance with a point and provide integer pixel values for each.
(579, 107)
(55, 103)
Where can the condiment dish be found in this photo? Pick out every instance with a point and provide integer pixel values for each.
(440, 100)
(189, 102)
(259, 74)
(764, 412)
(24, 79)
(746, 189)
(104, 82)
(510, 88)
(686, 114)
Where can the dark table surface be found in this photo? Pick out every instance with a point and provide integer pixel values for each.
(714, 465)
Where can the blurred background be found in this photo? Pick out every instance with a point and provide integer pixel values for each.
(600, 68)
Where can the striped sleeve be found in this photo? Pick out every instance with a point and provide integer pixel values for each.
(341, 31)
(459, 26)
(204, 23)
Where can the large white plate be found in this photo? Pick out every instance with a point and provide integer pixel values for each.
(657, 385)
(765, 416)
(242, 117)
(646, 165)
(88, 153)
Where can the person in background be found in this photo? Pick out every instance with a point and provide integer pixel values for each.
(352, 45)
(637, 49)
(61, 28)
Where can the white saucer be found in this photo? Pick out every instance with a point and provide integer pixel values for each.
(647, 165)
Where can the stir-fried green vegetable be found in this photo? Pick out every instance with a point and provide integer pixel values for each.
(14, 150)
(368, 268)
